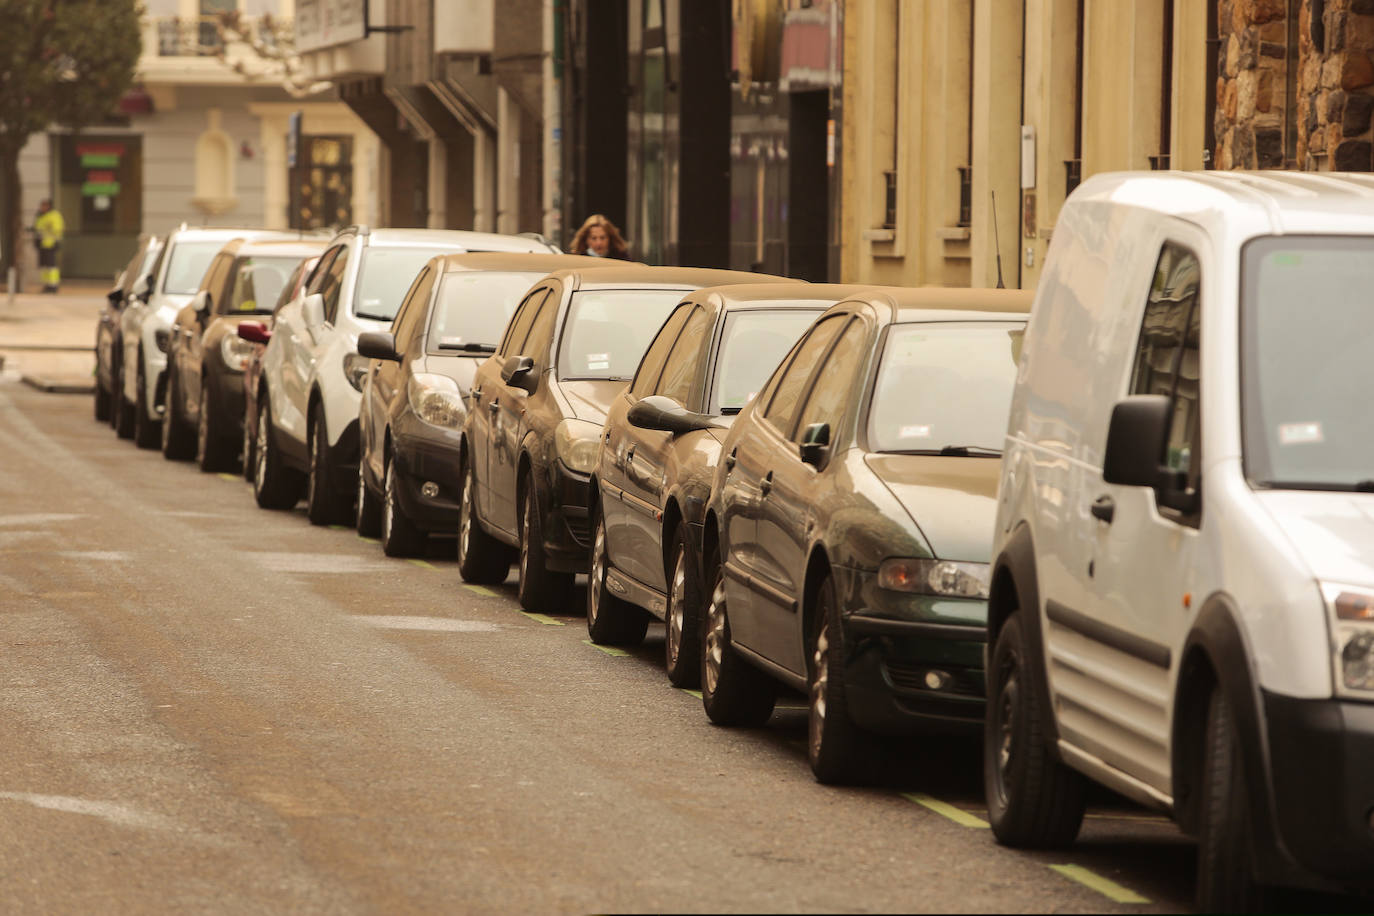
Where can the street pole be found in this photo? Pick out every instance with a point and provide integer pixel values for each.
(553, 125)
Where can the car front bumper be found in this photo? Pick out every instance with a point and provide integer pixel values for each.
(428, 454)
(567, 527)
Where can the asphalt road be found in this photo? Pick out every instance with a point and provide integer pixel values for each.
(208, 707)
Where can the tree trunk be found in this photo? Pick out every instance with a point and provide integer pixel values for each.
(11, 217)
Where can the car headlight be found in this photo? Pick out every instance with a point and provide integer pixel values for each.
(163, 338)
(436, 399)
(1352, 632)
(946, 578)
(355, 369)
(576, 442)
(235, 351)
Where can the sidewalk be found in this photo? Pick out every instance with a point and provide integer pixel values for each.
(49, 341)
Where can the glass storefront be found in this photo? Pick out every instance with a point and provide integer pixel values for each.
(99, 192)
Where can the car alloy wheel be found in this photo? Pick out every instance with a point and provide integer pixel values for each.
(596, 582)
(819, 684)
(465, 514)
(716, 638)
(203, 429)
(260, 459)
(389, 501)
(1003, 711)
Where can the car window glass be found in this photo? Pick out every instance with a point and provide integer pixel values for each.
(331, 286)
(385, 275)
(1166, 360)
(317, 279)
(682, 368)
(186, 266)
(295, 281)
(540, 339)
(474, 306)
(782, 408)
(753, 344)
(256, 282)
(835, 381)
(607, 331)
(520, 324)
(646, 376)
(413, 310)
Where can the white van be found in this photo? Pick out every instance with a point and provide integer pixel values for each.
(1182, 595)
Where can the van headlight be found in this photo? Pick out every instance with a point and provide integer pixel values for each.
(235, 351)
(436, 399)
(576, 442)
(946, 578)
(1352, 633)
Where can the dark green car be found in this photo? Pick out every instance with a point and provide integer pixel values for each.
(848, 536)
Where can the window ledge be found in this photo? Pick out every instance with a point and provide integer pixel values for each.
(952, 233)
(879, 235)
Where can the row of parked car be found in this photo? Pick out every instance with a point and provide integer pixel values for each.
(1130, 543)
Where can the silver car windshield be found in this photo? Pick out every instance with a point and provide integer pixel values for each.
(258, 281)
(187, 265)
(1307, 323)
(473, 308)
(753, 344)
(945, 388)
(608, 330)
(386, 276)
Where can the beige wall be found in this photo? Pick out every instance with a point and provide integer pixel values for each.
(317, 118)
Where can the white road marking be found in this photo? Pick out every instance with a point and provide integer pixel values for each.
(443, 624)
(108, 556)
(319, 563)
(121, 815)
(36, 518)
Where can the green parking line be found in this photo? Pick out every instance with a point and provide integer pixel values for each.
(944, 809)
(695, 693)
(1104, 886)
(421, 563)
(479, 590)
(224, 476)
(609, 650)
(363, 537)
(543, 618)
(339, 528)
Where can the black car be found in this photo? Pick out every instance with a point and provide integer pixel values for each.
(849, 530)
(416, 388)
(534, 422)
(660, 450)
(133, 280)
(206, 356)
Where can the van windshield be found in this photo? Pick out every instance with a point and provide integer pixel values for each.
(944, 388)
(1307, 326)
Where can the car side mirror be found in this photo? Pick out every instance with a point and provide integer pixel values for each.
(142, 290)
(312, 310)
(254, 332)
(378, 345)
(1136, 441)
(815, 445)
(518, 372)
(666, 415)
(202, 305)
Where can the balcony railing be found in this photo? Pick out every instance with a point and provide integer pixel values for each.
(201, 36)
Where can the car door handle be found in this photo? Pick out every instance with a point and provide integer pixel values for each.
(494, 406)
(730, 461)
(1104, 508)
(629, 454)
(766, 484)
(476, 393)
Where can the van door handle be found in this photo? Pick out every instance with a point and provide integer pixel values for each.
(1104, 508)
(730, 461)
(766, 484)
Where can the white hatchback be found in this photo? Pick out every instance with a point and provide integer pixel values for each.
(1182, 597)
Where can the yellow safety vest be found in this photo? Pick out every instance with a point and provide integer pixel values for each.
(50, 228)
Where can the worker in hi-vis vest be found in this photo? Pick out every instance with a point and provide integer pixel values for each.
(48, 230)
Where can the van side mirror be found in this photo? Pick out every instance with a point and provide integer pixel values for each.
(518, 372)
(378, 345)
(1134, 457)
(666, 415)
(312, 310)
(815, 445)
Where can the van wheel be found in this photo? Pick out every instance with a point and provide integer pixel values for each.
(541, 589)
(733, 692)
(322, 502)
(212, 451)
(123, 410)
(177, 444)
(1034, 800)
(611, 620)
(682, 622)
(482, 559)
(1225, 864)
(275, 486)
(147, 431)
(835, 746)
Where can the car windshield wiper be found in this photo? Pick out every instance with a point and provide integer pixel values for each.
(469, 347)
(374, 316)
(1359, 486)
(950, 451)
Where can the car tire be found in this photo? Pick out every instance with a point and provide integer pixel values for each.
(275, 486)
(323, 506)
(1034, 800)
(123, 411)
(540, 588)
(836, 748)
(367, 511)
(682, 616)
(102, 400)
(1225, 862)
(482, 559)
(147, 431)
(733, 692)
(116, 391)
(212, 449)
(249, 447)
(400, 537)
(611, 620)
(177, 444)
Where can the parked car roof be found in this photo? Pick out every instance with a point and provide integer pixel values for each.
(897, 303)
(300, 248)
(626, 274)
(516, 261)
(766, 295)
(476, 241)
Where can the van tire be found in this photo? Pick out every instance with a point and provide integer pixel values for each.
(1225, 861)
(1034, 800)
(275, 486)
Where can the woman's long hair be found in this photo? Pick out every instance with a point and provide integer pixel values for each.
(619, 248)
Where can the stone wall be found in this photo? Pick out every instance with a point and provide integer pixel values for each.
(1334, 89)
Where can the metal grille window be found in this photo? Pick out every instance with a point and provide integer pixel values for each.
(890, 206)
(965, 195)
(1073, 175)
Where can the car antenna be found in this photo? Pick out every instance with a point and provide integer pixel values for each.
(997, 240)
